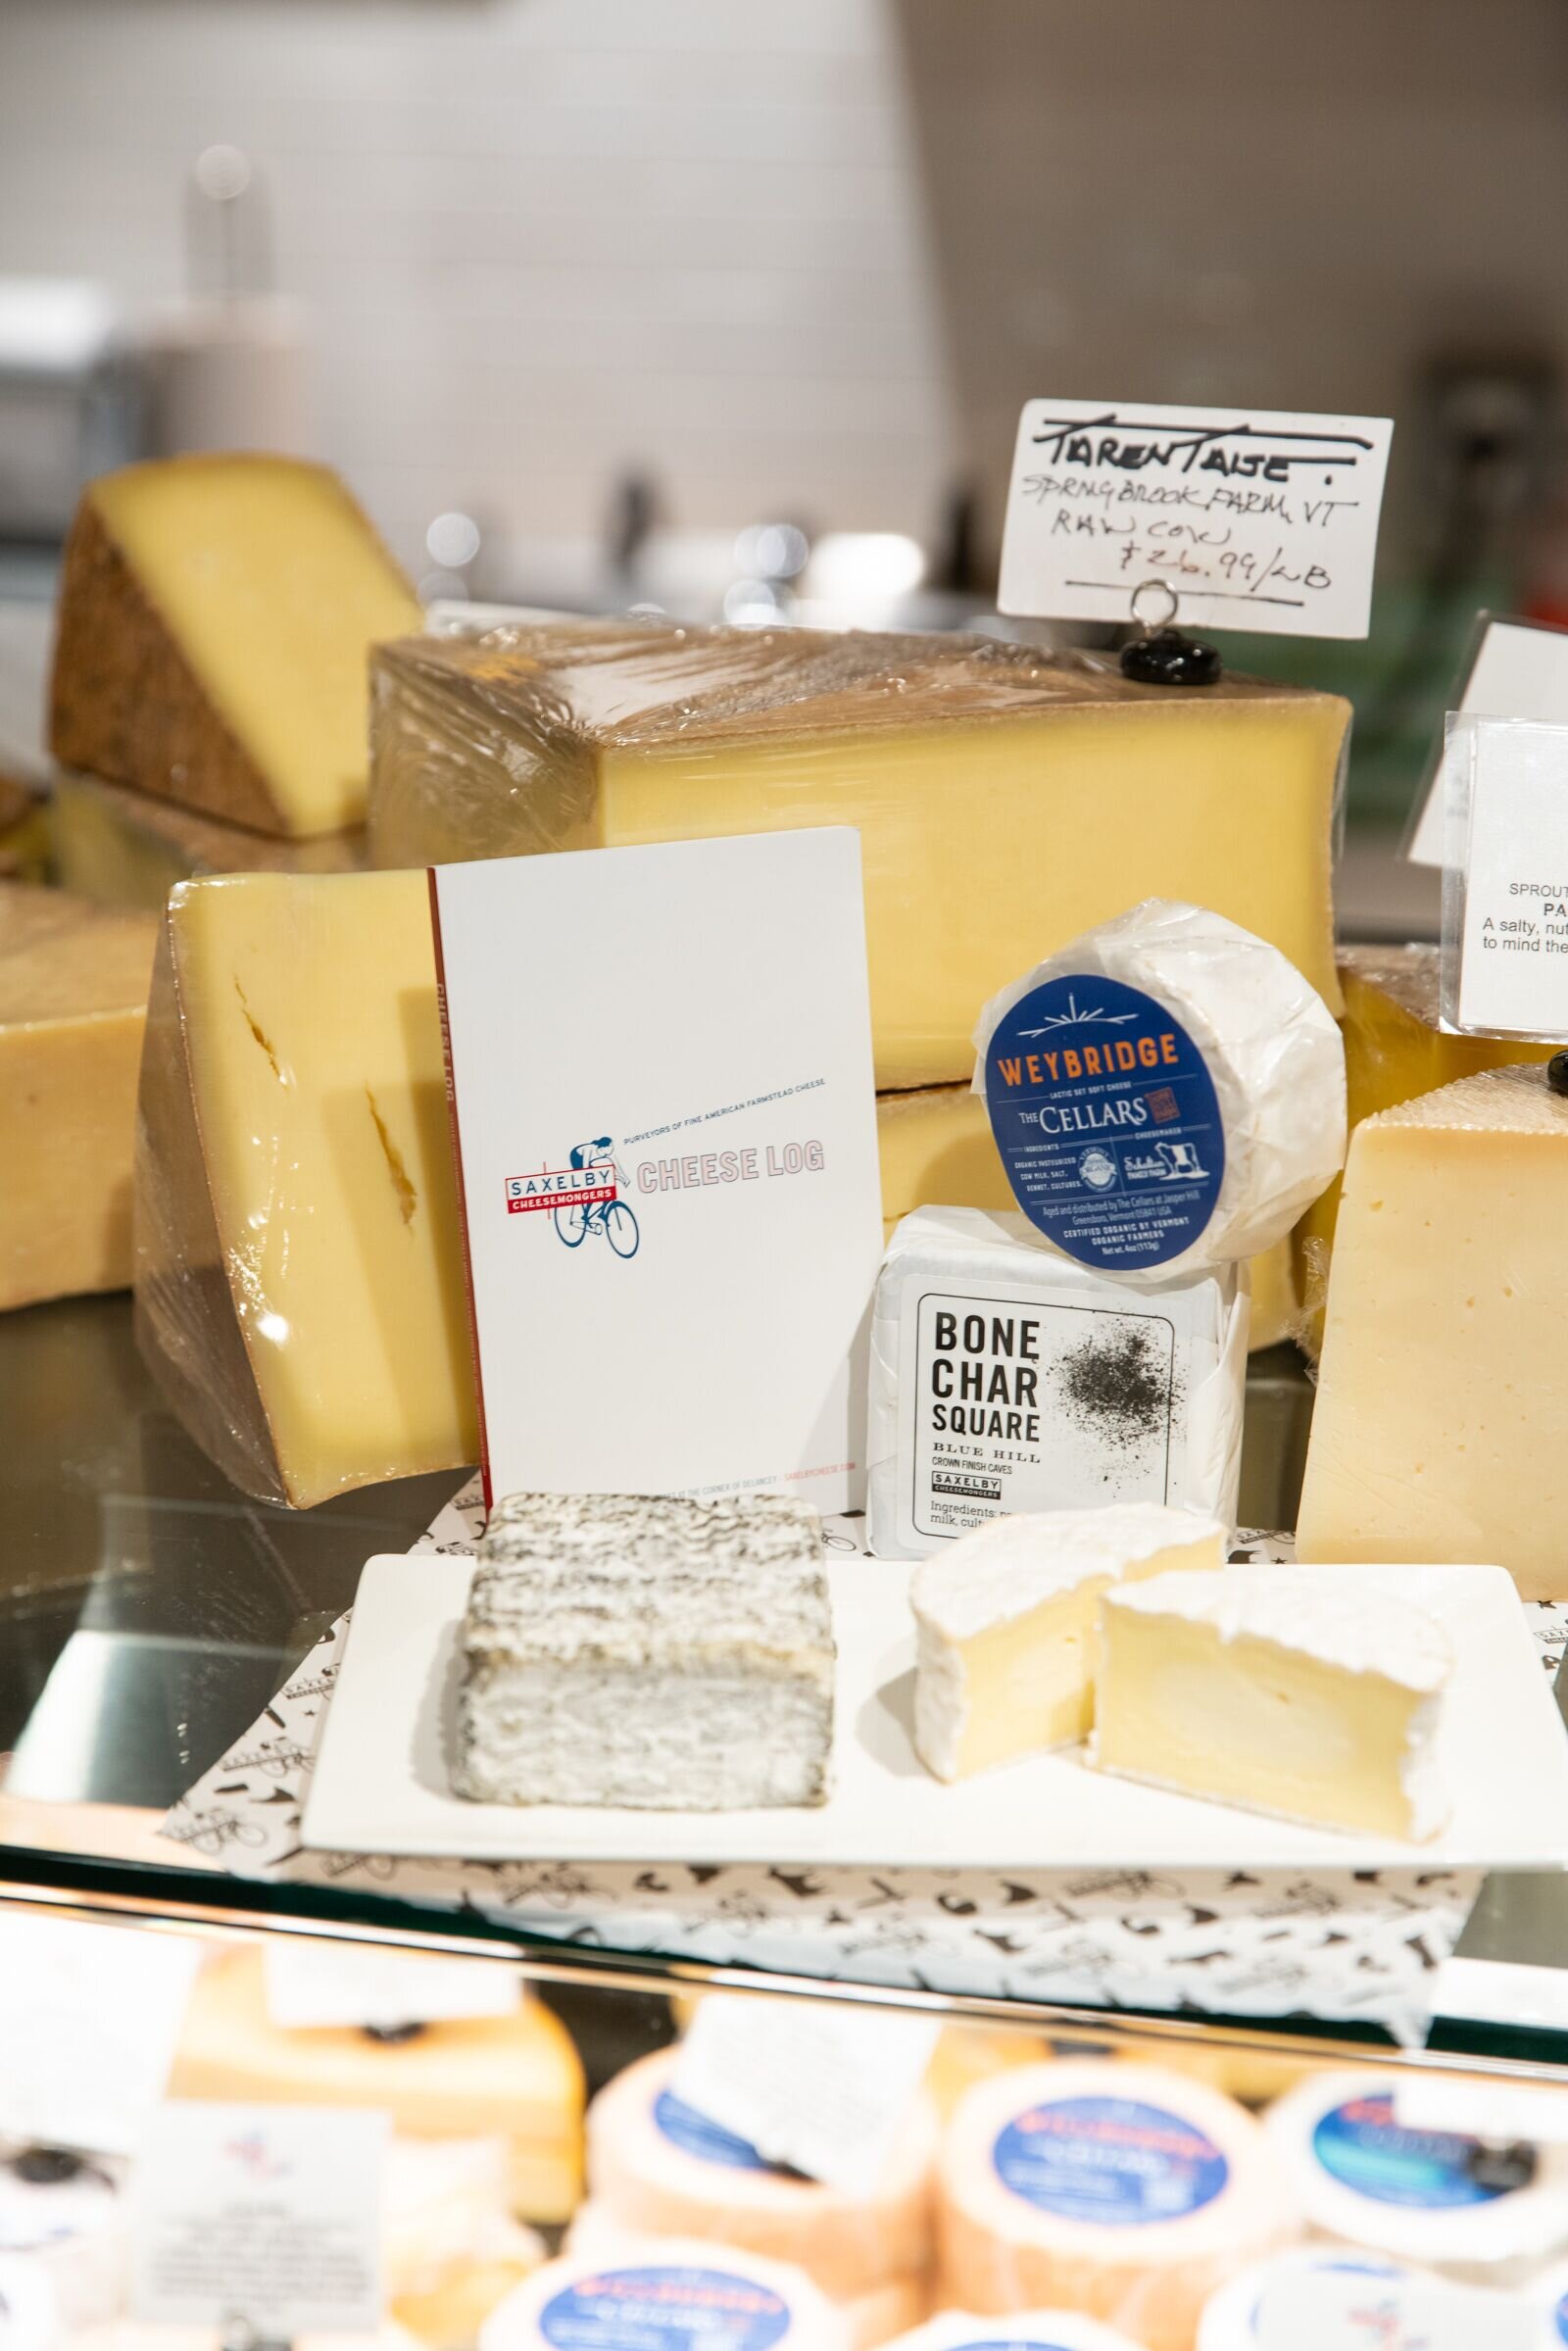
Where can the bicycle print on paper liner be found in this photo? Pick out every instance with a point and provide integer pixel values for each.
(582, 1200)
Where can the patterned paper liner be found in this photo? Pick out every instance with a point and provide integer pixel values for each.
(1340, 1947)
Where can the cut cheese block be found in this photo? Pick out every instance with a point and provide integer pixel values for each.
(1394, 1049)
(517, 2076)
(298, 1272)
(1122, 2191)
(1006, 1626)
(666, 2294)
(1025, 2330)
(1440, 1427)
(451, 2248)
(122, 847)
(215, 617)
(1280, 1689)
(1364, 2178)
(1167, 1091)
(1004, 801)
(74, 982)
(656, 2163)
(938, 1152)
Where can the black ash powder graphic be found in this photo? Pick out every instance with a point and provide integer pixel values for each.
(1118, 1383)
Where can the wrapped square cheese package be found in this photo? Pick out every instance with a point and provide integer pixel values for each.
(1005, 799)
(1007, 1379)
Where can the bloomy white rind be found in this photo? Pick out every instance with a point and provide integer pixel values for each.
(1272, 1046)
(1001, 1571)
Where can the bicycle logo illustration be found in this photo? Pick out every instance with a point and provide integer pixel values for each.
(582, 1200)
(611, 1218)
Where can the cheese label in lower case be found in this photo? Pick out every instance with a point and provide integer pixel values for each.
(1107, 1121)
(1116, 2162)
(666, 2310)
(696, 2135)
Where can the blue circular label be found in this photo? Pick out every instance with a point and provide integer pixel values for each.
(1560, 2319)
(1107, 1122)
(1362, 2146)
(709, 2141)
(664, 2309)
(1110, 2160)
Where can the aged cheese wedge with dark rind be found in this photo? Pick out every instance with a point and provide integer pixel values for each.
(215, 617)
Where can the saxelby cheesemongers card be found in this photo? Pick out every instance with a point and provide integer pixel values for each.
(664, 1117)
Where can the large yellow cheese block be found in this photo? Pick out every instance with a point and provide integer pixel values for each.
(1440, 1427)
(938, 1152)
(73, 1001)
(215, 617)
(123, 848)
(1394, 1047)
(517, 2076)
(1005, 801)
(299, 1271)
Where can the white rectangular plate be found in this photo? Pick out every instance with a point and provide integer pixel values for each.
(381, 1780)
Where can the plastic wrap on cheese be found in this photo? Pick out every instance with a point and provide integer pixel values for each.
(1005, 799)
(298, 1265)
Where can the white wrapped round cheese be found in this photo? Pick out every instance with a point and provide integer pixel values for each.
(657, 2165)
(1126, 2192)
(1232, 2317)
(870, 2319)
(666, 2294)
(1166, 1094)
(1417, 2196)
(1025, 2330)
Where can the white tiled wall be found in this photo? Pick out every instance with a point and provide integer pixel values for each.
(539, 240)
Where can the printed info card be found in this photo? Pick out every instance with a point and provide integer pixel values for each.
(666, 1123)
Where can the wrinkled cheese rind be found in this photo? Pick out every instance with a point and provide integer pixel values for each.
(649, 1652)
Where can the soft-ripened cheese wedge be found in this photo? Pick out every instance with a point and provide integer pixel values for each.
(647, 1650)
(1394, 1047)
(1006, 1626)
(659, 2166)
(216, 614)
(1125, 2192)
(74, 981)
(299, 1273)
(1441, 1426)
(122, 847)
(1004, 801)
(1278, 1688)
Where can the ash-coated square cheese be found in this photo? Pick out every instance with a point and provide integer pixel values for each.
(648, 1650)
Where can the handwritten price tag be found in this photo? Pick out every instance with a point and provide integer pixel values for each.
(1259, 520)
